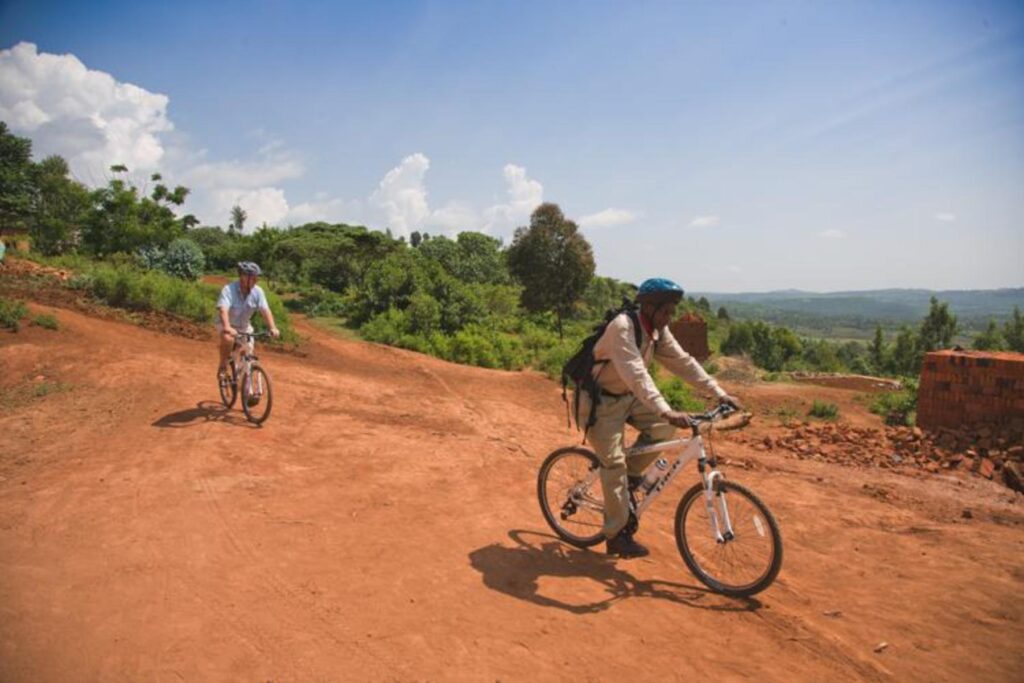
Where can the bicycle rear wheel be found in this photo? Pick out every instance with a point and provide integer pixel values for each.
(228, 388)
(745, 562)
(257, 397)
(569, 491)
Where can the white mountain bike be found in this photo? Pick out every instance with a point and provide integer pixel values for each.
(248, 378)
(726, 535)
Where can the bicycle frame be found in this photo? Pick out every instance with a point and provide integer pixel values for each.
(691, 448)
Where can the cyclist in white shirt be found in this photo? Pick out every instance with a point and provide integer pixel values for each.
(238, 301)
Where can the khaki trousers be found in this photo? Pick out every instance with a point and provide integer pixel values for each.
(606, 437)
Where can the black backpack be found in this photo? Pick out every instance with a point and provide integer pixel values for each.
(579, 369)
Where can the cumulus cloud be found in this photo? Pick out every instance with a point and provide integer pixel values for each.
(524, 195)
(832, 234)
(708, 221)
(262, 205)
(401, 197)
(945, 217)
(608, 218)
(86, 116)
(95, 121)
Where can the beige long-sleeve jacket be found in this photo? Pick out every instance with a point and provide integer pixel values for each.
(626, 370)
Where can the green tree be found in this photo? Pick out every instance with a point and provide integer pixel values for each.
(16, 186)
(991, 339)
(704, 305)
(1013, 331)
(722, 313)
(238, 218)
(121, 219)
(937, 329)
(59, 207)
(552, 261)
(876, 350)
(904, 358)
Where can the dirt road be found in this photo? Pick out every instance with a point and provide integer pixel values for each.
(383, 526)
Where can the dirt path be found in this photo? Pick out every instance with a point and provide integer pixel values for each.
(383, 526)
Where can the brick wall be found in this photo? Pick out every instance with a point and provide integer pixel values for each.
(692, 334)
(968, 388)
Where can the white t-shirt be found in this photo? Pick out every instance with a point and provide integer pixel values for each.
(240, 308)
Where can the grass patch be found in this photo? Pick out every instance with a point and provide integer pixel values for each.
(824, 411)
(897, 408)
(680, 396)
(26, 392)
(11, 313)
(45, 320)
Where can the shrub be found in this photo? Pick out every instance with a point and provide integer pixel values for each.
(11, 313)
(47, 321)
(824, 411)
(183, 259)
(898, 407)
(679, 395)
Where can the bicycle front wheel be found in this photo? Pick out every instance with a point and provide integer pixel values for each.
(569, 490)
(257, 397)
(741, 558)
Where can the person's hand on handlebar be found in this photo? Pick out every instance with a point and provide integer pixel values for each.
(677, 419)
(731, 401)
(230, 331)
(275, 333)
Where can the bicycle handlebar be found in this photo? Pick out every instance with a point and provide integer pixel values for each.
(723, 410)
(252, 335)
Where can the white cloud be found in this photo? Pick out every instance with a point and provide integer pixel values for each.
(95, 121)
(945, 217)
(84, 115)
(524, 194)
(327, 210)
(455, 217)
(608, 218)
(832, 234)
(401, 197)
(251, 174)
(708, 221)
(262, 205)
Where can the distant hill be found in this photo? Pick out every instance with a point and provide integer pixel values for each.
(832, 312)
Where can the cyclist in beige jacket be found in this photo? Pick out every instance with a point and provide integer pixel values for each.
(628, 395)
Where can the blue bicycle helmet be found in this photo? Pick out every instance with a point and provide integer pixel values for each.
(248, 268)
(658, 290)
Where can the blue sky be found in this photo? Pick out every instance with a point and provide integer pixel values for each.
(730, 146)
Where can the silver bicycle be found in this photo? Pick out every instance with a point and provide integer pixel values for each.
(727, 536)
(247, 377)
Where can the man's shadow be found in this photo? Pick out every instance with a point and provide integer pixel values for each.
(516, 571)
(205, 411)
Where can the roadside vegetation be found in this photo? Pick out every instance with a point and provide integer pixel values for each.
(467, 298)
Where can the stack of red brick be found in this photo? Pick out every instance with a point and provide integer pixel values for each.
(970, 388)
(692, 334)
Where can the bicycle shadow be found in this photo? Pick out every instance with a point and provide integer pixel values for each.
(517, 572)
(204, 412)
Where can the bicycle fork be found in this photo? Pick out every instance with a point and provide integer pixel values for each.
(718, 515)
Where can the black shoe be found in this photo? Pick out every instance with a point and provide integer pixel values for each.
(625, 547)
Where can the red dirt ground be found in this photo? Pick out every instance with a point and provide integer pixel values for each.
(383, 525)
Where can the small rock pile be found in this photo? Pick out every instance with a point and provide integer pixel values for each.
(982, 451)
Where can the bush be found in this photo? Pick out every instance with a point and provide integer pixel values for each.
(11, 313)
(898, 408)
(183, 259)
(679, 395)
(824, 411)
(47, 321)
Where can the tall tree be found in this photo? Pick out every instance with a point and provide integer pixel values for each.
(991, 339)
(553, 262)
(937, 328)
(60, 205)
(238, 218)
(1013, 331)
(876, 349)
(15, 179)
